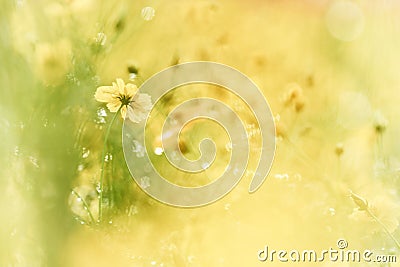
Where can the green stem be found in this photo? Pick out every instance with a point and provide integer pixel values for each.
(103, 155)
(384, 227)
(85, 205)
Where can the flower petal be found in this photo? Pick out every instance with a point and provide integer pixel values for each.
(123, 112)
(104, 94)
(114, 105)
(142, 102)
(121, 86)
(134, 115)
(139, 108)
(130, 89)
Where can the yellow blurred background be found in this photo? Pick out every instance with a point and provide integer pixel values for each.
(329, 70)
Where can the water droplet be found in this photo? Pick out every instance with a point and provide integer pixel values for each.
(34, 161)
(80, 167)
(227, 206)
(101, 112)
(100, 120)
(153, 263)
(101, 38)
(205, 165)
(85, 152)
(283, 176)
(158, 151)
(110, 221)
(144, 182)
(16, 151)
(138, 148)
(108, 157)
(228, 146)
(250, 126)
(133, 210)
(332, 211)
(148, 13)
(132, 76)
(254, 132)
(98, 188)
(83, 202)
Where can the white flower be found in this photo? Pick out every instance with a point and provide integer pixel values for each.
(124, 97)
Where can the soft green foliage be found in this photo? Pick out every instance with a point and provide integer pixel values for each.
(336, 110)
